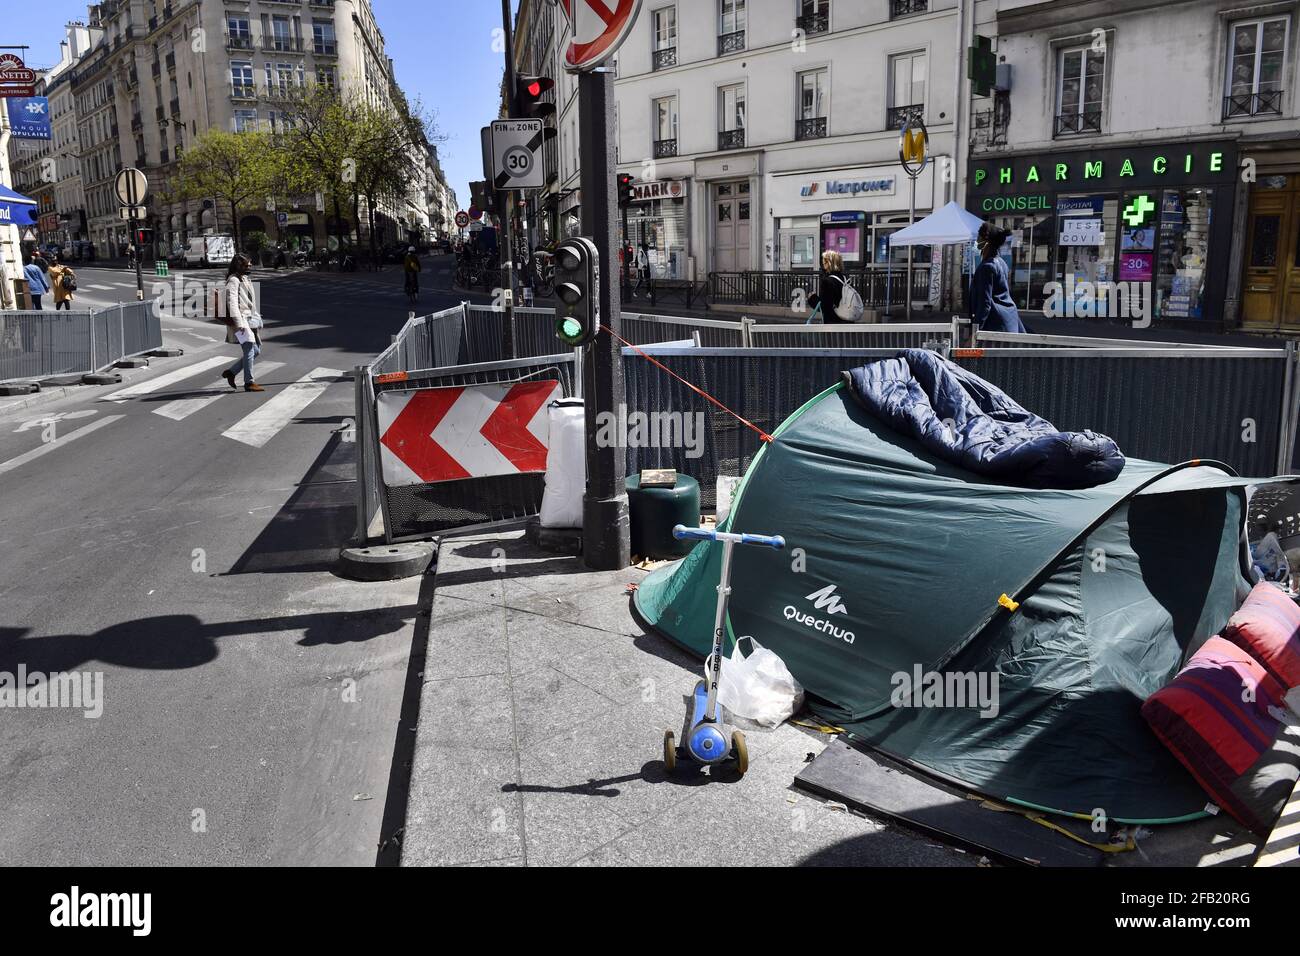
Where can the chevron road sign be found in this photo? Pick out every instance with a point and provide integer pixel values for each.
(473, 431)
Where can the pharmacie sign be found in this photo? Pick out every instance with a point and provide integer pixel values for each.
(1026, 183)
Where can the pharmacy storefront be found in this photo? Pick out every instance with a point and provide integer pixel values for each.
(850, 211)
(1094, 230)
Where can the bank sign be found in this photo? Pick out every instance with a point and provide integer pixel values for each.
(1026, 183)
(839, 188)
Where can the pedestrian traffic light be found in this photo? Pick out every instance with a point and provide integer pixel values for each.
(529, 91)
(626, 189)
(577, 286)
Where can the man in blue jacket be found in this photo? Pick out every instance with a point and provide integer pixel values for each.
(37, 283)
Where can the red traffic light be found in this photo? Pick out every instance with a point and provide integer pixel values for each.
(534, 88)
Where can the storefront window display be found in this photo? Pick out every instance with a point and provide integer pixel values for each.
(662, 225)
(1184, 244)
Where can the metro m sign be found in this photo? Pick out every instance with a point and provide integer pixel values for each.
(599, 28)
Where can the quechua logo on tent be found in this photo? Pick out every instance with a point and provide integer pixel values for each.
(823, 600)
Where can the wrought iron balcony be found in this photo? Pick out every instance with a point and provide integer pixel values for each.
(731, 43)
(814, 128)
(663, 59)
(325, 48)
(898, 116)
(1252, 104)
(814, 23)
(665, 148)
(236, 41)
(279, 44)
(731, 139)
(905, 8)
(1070, 123)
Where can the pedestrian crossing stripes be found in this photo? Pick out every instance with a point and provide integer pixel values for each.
(183, 408)
(260, 426)
(168, 378)
(1283, 846)
(60, 442)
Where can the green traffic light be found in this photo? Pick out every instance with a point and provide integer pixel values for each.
(569, 330)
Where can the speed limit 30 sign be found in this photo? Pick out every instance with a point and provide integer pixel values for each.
(517, 154)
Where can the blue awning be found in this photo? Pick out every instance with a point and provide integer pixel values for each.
(17, 209)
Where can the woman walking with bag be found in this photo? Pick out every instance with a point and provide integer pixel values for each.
(834, 294)
(243, 321)
(64, 282)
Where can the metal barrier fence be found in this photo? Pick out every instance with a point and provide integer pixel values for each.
(1159, 401)
(1034, 341)
(909, 335)
(876, 286)
(1231, 405)
(41, 344)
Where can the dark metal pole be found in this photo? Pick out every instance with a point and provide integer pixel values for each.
(506, 197)
(605, 526)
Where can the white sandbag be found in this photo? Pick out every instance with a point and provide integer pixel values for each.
(759, 687)
(566, 466)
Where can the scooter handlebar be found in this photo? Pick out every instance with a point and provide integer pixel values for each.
(683, 533)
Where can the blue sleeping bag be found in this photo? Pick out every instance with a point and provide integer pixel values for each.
(920, 393)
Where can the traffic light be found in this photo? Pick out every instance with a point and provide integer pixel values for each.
(529, 91)
(626, 189)
(577, 286)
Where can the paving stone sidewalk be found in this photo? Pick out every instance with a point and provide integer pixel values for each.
(540, 732)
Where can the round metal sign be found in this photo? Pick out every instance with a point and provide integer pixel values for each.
(131, 186)
(914, 147)
(462, 219)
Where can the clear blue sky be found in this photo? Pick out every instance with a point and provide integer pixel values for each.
(442, 50)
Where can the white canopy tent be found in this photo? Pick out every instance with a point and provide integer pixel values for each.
(947, 226)
(950, 225)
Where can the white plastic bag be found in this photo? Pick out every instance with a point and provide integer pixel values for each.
(566, 466)
(759, 687)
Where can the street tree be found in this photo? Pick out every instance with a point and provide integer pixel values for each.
(232, 168)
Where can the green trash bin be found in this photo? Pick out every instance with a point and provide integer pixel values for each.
(654, 512)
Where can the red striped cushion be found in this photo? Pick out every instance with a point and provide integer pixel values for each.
(1268, 626)
(1214, 718)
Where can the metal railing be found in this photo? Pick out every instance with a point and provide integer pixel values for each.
(878, 287)
(901, 335)
(1087, 122)
(1252, 104)
(813, 23)
(813, 128)
(731, 42)
(664, 59)
(898, 116)
(40, 344)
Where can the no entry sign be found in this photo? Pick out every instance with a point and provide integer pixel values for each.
(473, 431)
(599, 29)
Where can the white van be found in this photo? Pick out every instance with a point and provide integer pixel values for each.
(205, 251)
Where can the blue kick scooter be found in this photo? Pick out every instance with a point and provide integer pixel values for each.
(704, 738)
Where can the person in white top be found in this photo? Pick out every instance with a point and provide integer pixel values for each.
(243, 322)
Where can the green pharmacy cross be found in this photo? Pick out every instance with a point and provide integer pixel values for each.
(1136, 212)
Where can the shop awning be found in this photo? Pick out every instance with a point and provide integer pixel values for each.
(951, 224)
(17, 209)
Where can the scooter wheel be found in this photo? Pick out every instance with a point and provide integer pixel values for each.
(740, 751)
(670, 751)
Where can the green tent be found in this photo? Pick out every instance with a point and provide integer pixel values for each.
(904, 572)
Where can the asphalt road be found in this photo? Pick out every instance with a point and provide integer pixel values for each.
(177, 539)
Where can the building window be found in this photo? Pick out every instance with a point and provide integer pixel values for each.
(326, 76)
(906, 89)
(1079, 96)
(323, 39)
(731, 117)
(241, 80)
(237, 33)
(665, 118)
(1256, 65)
(814, 17)
(664, 54)
(245, 121)
(905, 8)
(731, 26)
(814, 105)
